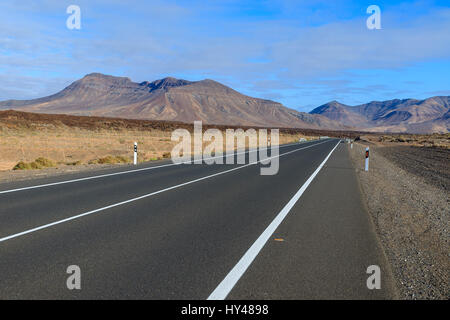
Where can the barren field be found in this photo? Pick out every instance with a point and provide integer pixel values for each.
(438, 140)
(432, 164)
(71, 141)
(406, 191)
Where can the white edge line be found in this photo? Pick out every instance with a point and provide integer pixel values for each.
(146, 195)
(128, 171)
(227, 284)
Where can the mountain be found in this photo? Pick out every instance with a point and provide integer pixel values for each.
(407, 115)
(173, 99)
(168, 99)
(340, 112)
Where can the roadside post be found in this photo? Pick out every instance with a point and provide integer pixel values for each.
(351, 144)
(135, 153)
(367, 159)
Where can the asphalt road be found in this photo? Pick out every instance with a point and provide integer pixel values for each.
(194, 232)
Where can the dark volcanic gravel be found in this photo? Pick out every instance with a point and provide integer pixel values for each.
(406, 191)
(432, 164)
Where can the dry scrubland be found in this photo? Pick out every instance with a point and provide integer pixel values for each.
(436, 140)
(76, 146)
(34, 141)
(406, 191)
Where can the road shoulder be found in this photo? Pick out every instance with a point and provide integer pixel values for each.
(411, 219)
(324, 246)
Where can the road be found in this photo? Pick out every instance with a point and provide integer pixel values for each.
(194, 232)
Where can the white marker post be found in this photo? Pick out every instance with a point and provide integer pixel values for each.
(351, 144)
(135, 153)
(367, 159)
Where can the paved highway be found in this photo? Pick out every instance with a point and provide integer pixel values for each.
(194, 232)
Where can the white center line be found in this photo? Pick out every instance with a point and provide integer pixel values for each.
(228, 283)
(146, 195)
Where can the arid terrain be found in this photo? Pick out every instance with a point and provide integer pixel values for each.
(406, 191)
(181, 100)
(168, 99)
(398, 115)
(441, 140)
(431, 164)
(68, 141)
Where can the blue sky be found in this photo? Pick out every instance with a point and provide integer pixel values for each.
(300, 53)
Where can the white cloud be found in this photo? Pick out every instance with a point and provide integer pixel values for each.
(157, 39)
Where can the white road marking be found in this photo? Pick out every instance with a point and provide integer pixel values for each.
(228, 283)
(123, 172)
(146, 195)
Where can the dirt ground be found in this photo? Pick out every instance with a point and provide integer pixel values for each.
(438, 140)
(406, 190)
(432, 164)
(74, 141)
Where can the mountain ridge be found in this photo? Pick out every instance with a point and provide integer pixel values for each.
(171, 99)
(396, 115)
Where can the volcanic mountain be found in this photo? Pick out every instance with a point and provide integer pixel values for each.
(168, 99)
(407, 115)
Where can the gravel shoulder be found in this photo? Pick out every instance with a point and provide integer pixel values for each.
(410, 210)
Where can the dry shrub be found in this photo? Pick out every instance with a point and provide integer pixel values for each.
(74, 163)
(110, 160)
(39, 163)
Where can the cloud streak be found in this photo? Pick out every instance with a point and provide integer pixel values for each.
(266, 52)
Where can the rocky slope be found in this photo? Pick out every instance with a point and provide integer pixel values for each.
(168, 99)
(407, 115)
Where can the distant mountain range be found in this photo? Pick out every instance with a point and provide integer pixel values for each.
(214, 103)
(168, 99)
(407, 115)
